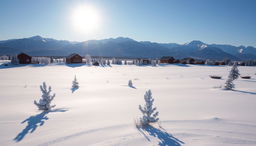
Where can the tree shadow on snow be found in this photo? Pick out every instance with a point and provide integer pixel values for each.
(33, 122)
(247, 92)
(165, 139)
(129, 86)
(76, 65)
(73, 89)
(133, 87)
(174, 64)
(250, 80)
(9, 65)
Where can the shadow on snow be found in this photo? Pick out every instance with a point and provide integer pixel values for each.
(33, 122)
(247, 92)
(9, 65)
(175, 64)
(73, 65)
(163, 137)
(73, 89)
(132, 87)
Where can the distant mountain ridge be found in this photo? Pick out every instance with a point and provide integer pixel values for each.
(125, 47)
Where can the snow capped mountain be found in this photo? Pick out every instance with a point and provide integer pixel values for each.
(125, 47)
(203, 46)
(241, 50)
(195, 43)
(37, 37)
(213, 53)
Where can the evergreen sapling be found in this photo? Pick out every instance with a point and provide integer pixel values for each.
(149, 112)
(46, 98)
(233, 75)
(130, 83)
(75, 84)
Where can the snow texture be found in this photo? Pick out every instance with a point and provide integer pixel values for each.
(193, 112)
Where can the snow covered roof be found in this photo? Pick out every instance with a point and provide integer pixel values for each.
(167, 57)
(72, 55)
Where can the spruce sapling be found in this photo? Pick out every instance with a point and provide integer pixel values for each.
(46, 99)
(149, 113)
(130, 83)
(75, 84)
(233, 75)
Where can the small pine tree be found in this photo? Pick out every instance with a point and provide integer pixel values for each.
(130, 83)
(234, 72)
(45, 102)
(233, 75)
(229, 84)
(75, 84)
(149, 113)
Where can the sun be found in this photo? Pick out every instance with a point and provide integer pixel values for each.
(85, 19)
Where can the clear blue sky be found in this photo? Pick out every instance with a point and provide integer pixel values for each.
(179, 21)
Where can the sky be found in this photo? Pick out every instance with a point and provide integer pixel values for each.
(164, 21)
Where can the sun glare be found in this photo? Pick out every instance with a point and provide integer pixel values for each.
(85, 19)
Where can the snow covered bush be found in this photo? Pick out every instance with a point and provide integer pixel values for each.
(233, 75)
(46, 99)
(41, 60)
(75, 84)
(149, 112)
(130, 83)
(88, 59)
(117, 61)
(102, 62)
(154, 62)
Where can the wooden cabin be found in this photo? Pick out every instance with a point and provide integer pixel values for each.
(188, 60)
(167, 59)
(74, 58)
(199, 62)
(24, 58)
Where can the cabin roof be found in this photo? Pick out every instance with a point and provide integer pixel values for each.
(72, 55)
(167, 57)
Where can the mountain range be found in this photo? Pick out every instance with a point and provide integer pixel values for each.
(125, 47)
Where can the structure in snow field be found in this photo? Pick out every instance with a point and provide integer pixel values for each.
(24, 58)
(167, 59)
(74, 58)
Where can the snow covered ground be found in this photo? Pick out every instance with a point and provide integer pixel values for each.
(193, 110)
